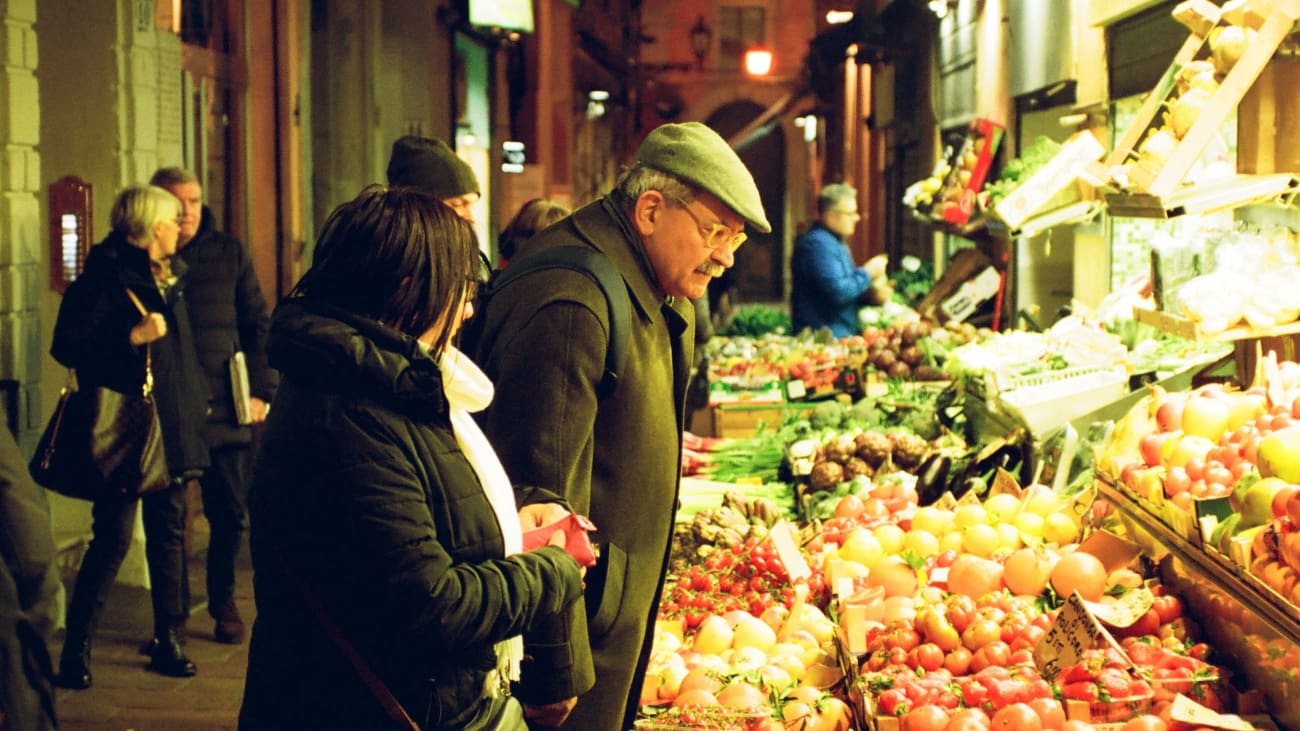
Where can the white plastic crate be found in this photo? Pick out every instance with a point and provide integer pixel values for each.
(1047, 401)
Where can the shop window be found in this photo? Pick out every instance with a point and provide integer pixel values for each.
(740, 28)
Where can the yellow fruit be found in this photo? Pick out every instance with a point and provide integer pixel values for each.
(1029, 524)
(923, 543)
(968, 515)
(1001, 508)
(891, 539)
(1060, 529)
(981, 539)
(862, 547)
(930, 519)
(1279, 454)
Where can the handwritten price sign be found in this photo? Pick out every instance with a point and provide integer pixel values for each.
(1076, 630)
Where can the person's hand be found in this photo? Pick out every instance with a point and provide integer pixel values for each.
(877, 266)
(257, 410)
(150, 328)
(550, 714)
(541, 514)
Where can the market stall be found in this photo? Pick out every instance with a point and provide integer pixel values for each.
(1095, 525)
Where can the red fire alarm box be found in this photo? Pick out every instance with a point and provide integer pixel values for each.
(70, 235)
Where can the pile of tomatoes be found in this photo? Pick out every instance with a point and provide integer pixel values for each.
(748, 576)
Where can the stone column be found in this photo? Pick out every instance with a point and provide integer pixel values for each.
(21, 242)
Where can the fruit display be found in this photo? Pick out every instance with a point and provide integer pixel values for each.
(941, 613)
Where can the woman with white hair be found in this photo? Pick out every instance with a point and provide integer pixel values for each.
(126, 307)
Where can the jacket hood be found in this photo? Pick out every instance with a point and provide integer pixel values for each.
(342, 353)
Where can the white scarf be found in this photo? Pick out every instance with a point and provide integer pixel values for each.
(469, 390)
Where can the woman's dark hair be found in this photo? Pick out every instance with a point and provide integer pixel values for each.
(532, 217)
(399, 256)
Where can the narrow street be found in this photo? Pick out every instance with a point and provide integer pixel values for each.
(127, 696)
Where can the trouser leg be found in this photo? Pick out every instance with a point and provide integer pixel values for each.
(164, 529)
(224, 503)
(113, 521)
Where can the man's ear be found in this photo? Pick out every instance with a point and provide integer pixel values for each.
(646, 211)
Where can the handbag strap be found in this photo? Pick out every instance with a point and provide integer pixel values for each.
(148, 352)
(401, 719)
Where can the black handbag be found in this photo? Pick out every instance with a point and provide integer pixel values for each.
(102, 443)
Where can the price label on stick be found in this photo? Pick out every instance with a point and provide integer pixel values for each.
(787, 550)
(1075, 631)
(1188, 711)
(1126, 610)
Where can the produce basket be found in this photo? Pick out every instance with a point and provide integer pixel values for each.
(1046, 401)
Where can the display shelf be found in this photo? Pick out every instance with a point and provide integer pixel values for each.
(1217, 195)
(1190, 330)
(1068, 215)
(1280, 615)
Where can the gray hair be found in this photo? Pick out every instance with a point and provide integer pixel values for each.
(834, 194)
(166, 177)
(139, 207)
(641, 179)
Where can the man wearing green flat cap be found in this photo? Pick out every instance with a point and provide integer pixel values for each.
(672, 223)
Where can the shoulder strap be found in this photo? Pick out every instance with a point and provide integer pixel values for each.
(148, 351)
(402, 721)
(595, 265)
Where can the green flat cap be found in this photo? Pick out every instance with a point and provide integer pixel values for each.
(698, 155)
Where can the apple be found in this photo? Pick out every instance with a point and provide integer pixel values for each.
(1293, 508)
(1206, 416)
(1169, 415)
(1245, 408)
(1187, 447)
(1278, 454)
(1151, 446)
(1281, 498)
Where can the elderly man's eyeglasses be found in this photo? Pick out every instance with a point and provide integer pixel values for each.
(716, 234)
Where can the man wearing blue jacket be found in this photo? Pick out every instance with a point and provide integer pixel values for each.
(827, 288)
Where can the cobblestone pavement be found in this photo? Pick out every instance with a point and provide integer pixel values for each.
(126, 696)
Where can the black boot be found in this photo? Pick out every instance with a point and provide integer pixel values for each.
(74, 663)
(168, 657)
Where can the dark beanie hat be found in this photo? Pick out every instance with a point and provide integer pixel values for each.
(430, 165)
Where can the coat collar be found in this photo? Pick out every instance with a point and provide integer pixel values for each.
(593, 224)
(340, 352)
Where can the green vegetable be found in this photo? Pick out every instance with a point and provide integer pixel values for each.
(757, 320)
(827, 415)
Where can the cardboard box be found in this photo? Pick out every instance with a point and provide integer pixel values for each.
(970, 295)
(1034, 193)
(963, 265)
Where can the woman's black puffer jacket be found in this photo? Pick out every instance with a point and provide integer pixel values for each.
(361, 493)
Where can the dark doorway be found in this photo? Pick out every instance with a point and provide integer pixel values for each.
(759, 273)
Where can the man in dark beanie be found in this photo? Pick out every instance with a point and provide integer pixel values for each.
(672, 224)
(430, 165)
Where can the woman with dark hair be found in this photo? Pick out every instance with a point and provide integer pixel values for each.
(102, 334)
(383, 525)
(532, 216)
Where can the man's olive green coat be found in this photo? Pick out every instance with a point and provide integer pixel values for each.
(616, 458)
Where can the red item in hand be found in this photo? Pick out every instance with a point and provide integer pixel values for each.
(577, 543)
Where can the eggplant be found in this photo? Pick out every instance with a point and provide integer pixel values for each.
(932, 478)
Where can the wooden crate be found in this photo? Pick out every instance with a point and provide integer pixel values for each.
(1272, 21)
(1268, 120)
(740, 421)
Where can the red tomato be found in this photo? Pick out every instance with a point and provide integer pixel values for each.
(1016, 717)
(849, 506)
(1050, 712)
(1147, 722)
(958, 661)
(929, 657)
(1169, 607)
(925, 718)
